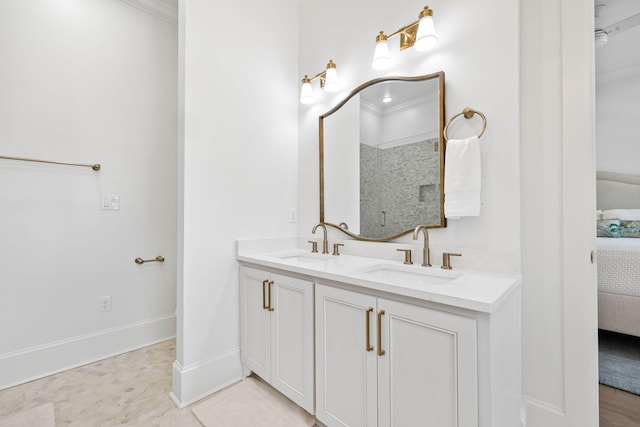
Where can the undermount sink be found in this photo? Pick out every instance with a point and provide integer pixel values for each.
(304, 257)
(415, 275)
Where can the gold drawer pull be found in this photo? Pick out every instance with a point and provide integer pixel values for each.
(264, 304)
(368, 328)
(269, 297)
(380, 350)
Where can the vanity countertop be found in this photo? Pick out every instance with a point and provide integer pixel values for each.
(465, 288)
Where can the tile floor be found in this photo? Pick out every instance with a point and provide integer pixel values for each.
(130, 389)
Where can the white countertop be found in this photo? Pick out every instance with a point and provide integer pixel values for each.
(464, 288)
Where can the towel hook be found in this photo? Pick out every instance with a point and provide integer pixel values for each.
(467, 113)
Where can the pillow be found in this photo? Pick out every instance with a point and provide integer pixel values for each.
(630, 229)
(609, 228)
(626, 214)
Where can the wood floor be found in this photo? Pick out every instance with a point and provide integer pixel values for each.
(618, 408)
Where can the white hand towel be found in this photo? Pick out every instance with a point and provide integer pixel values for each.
(462, 178)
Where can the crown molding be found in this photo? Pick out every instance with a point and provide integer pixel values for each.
(166, 10)
(618, 74)
(399, 107)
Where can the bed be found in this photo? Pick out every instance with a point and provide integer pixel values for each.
(618, 258)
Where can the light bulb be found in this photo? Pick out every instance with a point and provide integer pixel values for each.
(331, 82)
(426, 38)
(381, 56)
(306, 93)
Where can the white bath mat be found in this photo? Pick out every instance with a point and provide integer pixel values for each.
(251, 403)
(40, 416)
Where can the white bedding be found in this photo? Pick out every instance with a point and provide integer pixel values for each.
(619, 266)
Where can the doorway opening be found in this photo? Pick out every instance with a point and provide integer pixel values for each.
(617, 37)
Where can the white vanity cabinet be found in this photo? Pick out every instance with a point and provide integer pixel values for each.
(395, 345)
(384, 363)
(276, 323)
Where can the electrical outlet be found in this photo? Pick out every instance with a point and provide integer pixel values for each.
(105, 303)
(292, 215)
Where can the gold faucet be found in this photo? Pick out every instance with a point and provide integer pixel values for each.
(325, 242)
(407, 255)
(446, 260)
(426, 253)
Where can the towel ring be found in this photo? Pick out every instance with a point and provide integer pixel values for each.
(467, 113)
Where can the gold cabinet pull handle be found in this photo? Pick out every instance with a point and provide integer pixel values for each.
(269, 297)
(368, 327)
(264, 303)
(380, 350)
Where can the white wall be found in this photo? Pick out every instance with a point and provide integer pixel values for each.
(558, 194)
(484, 50)
(407, 124)
(474, 75)
(238, 155)
(86, 82)
(370, 124)
(617, 148)
(617, 92)
(106, 96)
(342, 136)
(560, 370)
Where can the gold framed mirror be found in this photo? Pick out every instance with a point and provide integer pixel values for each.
(382, 158)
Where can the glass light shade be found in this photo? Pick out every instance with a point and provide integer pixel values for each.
(381, 56)
(332, 82)
(306, 94)
(601, 38)
(426, 37)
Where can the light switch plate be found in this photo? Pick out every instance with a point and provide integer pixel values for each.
(105, 303)
(110, 202)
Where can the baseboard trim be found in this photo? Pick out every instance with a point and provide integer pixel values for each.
(199, 380)
(40, 361)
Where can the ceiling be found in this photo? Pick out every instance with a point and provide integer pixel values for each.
(620, 52)
(401, 92)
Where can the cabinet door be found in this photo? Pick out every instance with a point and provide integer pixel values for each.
(254, 322)
(292, 339)
(428, 374)
(346, 389)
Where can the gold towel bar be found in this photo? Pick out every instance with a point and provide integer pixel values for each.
(156, 259)
(467, 113)
(95, 167)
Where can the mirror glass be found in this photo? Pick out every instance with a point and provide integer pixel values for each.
(382, 158)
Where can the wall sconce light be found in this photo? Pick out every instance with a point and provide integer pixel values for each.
(329, 81)
(420, 34)
(602, 37)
